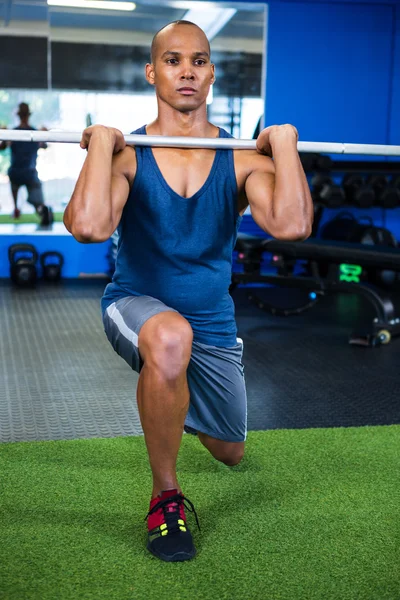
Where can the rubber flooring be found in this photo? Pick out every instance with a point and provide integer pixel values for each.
(60, 378)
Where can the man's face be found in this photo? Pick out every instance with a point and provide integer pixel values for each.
(181, 71)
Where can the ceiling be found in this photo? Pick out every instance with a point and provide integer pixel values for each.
(149, 17)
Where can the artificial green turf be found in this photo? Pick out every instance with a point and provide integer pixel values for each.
(28, 218)
(308, 514)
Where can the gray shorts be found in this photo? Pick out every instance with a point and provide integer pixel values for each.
(218, 401)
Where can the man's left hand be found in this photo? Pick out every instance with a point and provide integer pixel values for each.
(267, 137)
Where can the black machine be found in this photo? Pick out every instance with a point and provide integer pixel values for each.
(348, 259)
(345, 227)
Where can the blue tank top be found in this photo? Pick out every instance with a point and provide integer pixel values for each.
(178, 249)
(24, 154)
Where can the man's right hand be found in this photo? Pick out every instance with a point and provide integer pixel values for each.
(115, 136)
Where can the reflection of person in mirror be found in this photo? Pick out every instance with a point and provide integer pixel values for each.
(22, 171)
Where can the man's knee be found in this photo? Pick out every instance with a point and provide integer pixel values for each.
(165, 341)
(231, 459)
(229, 453)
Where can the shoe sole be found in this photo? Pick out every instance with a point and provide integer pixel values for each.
(177, 557)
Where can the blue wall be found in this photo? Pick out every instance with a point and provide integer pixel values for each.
(330, 70)
(394, 129)
(333, 70)
(80, 260)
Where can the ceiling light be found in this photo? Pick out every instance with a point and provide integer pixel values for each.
(211, 20)
(102, 4)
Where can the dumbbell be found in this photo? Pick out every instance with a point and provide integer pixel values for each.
(387, 195)
(307, 160)
(23, 269)
(323, 163)
(358, 193)
(315, 162)
(326, 192)
(396, 182)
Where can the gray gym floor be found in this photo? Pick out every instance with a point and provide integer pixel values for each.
(60, 378)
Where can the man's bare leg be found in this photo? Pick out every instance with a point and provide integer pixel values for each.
(165, 343)
(14, 191)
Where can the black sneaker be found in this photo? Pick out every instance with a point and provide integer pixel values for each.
(169, 536)
(47, 216)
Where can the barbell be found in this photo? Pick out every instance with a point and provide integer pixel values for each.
(160, 141)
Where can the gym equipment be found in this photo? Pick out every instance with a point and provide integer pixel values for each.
(23, 269)
(387, 195)
(315, 162)
(323, 163)
(308, 160)
(379, 236)
(250, 257)
(346, 228)
(343, 227)
(396, 182)
(160, 141)
(357, 191)
(51, 271)
(326, 192)
(386, 323)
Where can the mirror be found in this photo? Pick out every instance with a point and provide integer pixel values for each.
(94, 73)
(24, 68)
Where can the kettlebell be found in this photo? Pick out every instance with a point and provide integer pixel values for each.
(51, 270)
(23, 269)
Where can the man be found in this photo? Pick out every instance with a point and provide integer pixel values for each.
(22, 171)
(168, 311)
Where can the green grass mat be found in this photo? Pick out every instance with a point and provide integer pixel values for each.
(31, 218)
(308, 514)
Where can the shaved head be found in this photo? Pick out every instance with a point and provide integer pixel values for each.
(153, 51)
(180, 55)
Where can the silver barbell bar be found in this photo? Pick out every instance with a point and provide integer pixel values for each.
(160, 141)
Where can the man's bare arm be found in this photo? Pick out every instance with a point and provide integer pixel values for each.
(102, 189)
(278, 192)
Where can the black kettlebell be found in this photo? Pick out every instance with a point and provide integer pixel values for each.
(51, 270)
(23, 269)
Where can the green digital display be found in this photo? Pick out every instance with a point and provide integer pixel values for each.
(350, 273)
